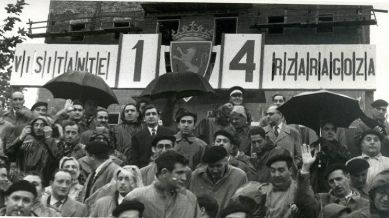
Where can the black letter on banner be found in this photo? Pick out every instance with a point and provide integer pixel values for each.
(371, 67)
(275, 66)
(138, 59)
(39, 63)
(348, 66)
(249, 66)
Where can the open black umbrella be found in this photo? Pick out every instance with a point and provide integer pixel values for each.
(177, 85)
(81, 85)
(312, 108)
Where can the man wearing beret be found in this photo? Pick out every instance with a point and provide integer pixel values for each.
(235, 158)
(129, 209)
(167, 196)
(340, 189)
(218, 177)
(39, 108)
(102, 168)
(186, 143)
(378, 116)
(379, 199)
(357, 167)
(20, 198)
(159, 145)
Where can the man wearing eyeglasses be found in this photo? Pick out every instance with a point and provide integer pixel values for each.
(378, 114)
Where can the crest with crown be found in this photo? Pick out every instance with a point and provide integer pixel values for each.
(192, 32)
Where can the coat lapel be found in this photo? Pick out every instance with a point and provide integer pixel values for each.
(285, 131)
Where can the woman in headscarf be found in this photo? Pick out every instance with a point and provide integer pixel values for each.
(72, 165)
(111, 195)
(131, 124)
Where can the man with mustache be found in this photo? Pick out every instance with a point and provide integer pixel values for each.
(340, 192)
(59, 197)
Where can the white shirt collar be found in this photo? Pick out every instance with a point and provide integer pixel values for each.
(98, 169)
(151, 129)
(120, 199)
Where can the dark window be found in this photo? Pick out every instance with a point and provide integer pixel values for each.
(325, 24)
(120, 24)
(275, 20)
(224, 25)
(166, 28)
(77, 27)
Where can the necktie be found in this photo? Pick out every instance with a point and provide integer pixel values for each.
(153, 132)
(89, 185)
(276, 131)
(58, 204)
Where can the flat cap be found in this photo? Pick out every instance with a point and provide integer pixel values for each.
(234, 207)
(128, 205)
(163, 137)
(182, 113)
(379, 103)
(333, 167)
(279, 154)
(214, 154)
(38, 104)
(226, 134)
(97, 148)
(356, 165)
(21, 185)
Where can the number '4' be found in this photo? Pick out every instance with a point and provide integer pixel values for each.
(236, 64)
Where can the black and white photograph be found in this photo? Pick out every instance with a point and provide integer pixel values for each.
(194, 109)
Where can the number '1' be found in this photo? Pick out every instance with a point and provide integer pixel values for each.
(138, 59)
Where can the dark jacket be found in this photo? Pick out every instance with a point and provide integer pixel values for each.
(140, 152)
(312, 205)
(70, 208)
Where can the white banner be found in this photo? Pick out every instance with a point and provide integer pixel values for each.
(35, 64)
(241, 65)
(139, 60)
(319, 67)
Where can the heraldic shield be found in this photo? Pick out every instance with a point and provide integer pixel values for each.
(190, 56)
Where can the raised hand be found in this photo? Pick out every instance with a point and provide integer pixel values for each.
(307, 157)
(26, 131)
(68, 105)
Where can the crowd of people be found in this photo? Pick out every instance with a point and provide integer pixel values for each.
(75, 164)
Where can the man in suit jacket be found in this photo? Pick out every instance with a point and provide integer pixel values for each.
(59, 198)
(283, 135)
(102, 168)
(140, 150)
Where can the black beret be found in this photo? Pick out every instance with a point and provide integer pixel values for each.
(97, 148)
(333, 167)
(369, 132)
(279, 154)
(128, 205)
(379, 103)
(162, 137)
(234, 207)
(183, 113)
(214, 154)
(227, 134)
(38, 104)
(21, 185)
(236, 88)
(357, 165)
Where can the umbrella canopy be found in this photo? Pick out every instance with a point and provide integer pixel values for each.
(178, 85)
(81, 85)
(312, 108)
